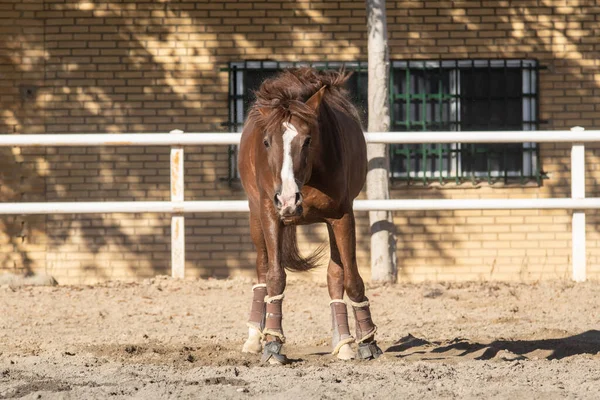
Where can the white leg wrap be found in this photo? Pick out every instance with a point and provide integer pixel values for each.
(341, 343)
(274, 298)
(253, 343)
(361, 304)
(369, 335)
(253, 330)
(346, 353)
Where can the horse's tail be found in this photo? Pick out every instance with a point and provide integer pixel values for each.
(290, 254)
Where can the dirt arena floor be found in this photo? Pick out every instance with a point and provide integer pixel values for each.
(181, 339)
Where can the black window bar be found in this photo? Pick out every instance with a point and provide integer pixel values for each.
(449, 95)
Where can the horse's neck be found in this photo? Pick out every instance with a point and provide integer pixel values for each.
(329, 156)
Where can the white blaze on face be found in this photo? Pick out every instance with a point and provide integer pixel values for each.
(289, 188)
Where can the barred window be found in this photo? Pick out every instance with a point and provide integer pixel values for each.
(453, 95)
(465, 95)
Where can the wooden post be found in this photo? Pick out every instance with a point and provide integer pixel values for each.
(578, 256)
(383, 240)
(177, 220)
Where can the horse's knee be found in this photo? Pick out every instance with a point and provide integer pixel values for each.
(335, 280)
(276, 281)
(276, 274)
(355, 288)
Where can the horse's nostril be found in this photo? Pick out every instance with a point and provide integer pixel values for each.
(276, 200)
(298, 198)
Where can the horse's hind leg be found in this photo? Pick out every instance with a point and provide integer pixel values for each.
(256, 322)
(345, 237)
(341, 338)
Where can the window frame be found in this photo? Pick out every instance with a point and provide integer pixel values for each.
(531, 168)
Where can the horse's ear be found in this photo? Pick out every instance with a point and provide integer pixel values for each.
(264, 111)
(315, 100)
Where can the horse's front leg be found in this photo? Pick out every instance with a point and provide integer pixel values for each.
(345, 237)
(256, 321)
(273, 230)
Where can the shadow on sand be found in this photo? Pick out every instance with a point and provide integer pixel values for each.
(550, 349)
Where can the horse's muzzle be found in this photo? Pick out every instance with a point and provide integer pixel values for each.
(288, 206)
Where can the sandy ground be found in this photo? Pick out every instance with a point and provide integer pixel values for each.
(180, 339)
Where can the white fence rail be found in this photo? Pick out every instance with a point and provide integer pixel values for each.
(177, 206)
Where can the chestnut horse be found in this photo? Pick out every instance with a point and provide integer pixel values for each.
(303, 160)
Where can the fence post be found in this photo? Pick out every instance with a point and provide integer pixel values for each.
(578, 256)
(177, 220)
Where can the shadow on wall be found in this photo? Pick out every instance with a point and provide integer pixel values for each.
(113, 67)
(563, 38)
(152, 66)
(19, 181)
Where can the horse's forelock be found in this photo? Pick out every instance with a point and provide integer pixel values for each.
(284, 96)
(279, 112)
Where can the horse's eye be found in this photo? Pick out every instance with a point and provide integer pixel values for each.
(266, 143)
(306, 142)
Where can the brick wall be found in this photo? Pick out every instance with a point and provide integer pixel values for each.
(147, 66)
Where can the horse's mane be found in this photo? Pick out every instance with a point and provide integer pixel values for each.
(284, 96)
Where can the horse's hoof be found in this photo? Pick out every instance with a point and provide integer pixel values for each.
(368, 351)
(345, 352)
(253, 343)
(272, 354)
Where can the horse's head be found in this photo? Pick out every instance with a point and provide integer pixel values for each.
(289, 147)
